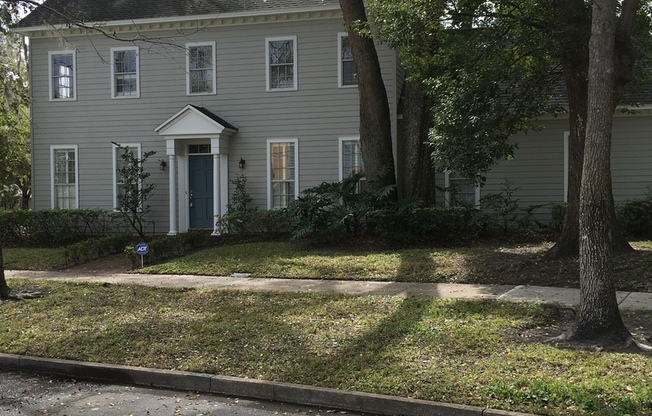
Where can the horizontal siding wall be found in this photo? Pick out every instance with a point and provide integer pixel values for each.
(317, 114)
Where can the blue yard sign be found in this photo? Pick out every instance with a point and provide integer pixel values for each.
(141, 249)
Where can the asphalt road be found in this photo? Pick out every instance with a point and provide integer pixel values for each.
(34, 395)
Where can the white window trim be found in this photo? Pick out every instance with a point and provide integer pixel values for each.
(269, 168)
(121, 49)
(447, 195)
(296, 63)
(188, 80)
(340, 69)
(115, 167)
(53, 198)
(566, 155)
(341, 150)
(74, 75)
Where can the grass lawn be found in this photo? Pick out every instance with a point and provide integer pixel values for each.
(477, 353)
(33, 258)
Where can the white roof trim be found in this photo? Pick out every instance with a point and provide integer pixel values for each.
(191, 122)
(181, 19)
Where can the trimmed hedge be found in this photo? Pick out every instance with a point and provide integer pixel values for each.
(55, 228)
(162, 248)
(95, 248)
(255, 222)
(427, 224)
(635, 217)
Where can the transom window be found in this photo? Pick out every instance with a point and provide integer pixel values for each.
(62, 75)
(281, 63)
(201, 68)
(282, 171)
(199, 148)
(124, 71)
(64, 177)
(347, 75)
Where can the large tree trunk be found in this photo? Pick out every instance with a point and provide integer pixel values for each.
(375, 123)
(598, 319)
(418, 176)
(4, 288)
(572, 23)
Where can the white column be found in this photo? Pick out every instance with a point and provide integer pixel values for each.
(224, 177)
(217, 212)
(172, 165)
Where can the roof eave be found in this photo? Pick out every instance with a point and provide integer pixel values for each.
(178, 19)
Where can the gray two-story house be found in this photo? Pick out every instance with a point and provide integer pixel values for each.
(216, 88)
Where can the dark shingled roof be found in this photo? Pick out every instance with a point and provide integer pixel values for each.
(53, 12)
(214, 117)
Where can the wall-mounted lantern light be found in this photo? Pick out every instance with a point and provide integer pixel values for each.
(163, 165)
(241, 163)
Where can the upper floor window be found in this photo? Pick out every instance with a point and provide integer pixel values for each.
(281, 57)
(64, 176)
(124, 72)
(282, 170)
(62, 75)
(201, 68)
(347, 73)
(460, 191)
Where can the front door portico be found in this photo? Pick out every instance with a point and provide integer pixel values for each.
(188, 173)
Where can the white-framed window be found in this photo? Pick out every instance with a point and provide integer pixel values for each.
(64, 168)
(281, 62)
(200, 68)
(63, 75)
(282, 172)
(125, 77)
(118, 163)
(346, 70)
(460, 191)
(351, 159)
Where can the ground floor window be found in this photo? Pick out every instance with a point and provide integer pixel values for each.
(65, 174)
(351, 160)
(460, 191)
(282, 158)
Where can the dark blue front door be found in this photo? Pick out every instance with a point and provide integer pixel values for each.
(201, 191)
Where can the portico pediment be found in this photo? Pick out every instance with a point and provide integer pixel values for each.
(194, 121)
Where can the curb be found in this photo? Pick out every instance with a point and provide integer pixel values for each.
(247, 388)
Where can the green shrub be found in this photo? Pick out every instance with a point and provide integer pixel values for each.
(95, 248)
(505, 214)
(255, 222)
(56, 228)
(166, 247)
(558, 212)
(427, 224)
(635, 217)
(336, 209)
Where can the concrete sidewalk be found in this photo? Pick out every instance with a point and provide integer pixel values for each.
(561, 296)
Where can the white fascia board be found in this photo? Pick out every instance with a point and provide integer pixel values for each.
(178, 19)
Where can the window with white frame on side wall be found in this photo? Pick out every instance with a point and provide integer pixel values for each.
(200, 68)
(282, 172)
(125, 72)
(347, 73)
(281, 63)
(63, 76)
(460, 191)
(351, 159)
(118, 163)
(64, 176)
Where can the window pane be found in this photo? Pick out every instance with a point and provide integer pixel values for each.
(65, 179)
(282, 161)
(200, 63)
(125, 73)
(62, 76)
(349, 75)
(281, 64)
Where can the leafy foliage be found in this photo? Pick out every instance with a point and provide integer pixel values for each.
(635, 217)
(250, 222)
(95, 248)
(134, 191)
(240, 199)
(336, 208)
(505, 212)
(166, 247)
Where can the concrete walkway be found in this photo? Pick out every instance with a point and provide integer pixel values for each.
(561, 296)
